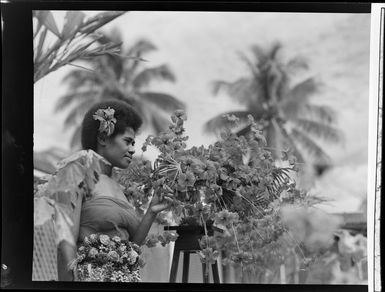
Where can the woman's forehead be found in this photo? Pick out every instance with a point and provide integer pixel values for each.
(129, 132)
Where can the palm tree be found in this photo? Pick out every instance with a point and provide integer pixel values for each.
(288, 117)
(121, 76)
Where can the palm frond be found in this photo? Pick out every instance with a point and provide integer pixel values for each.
(158, 122)
(75, 143)
(163, 101)
(78, 78)
(321, 112)
(297, 63)
(292, 146)
(244, 90)
(114, 60)
(274, 50)
(162, 72)
(294, 102)
(137, 50)
(260, 53)
(141, 47)
(303, 90)
(253, 68)
(108, 64)
(68, 99)
(114, 91)
(318, 129)
(77, 112)
(219, 122)
(310, 146)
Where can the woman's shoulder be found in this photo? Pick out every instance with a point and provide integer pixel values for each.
(87, 158)
(81, 169)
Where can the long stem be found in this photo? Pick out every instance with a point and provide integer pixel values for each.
(235, 235)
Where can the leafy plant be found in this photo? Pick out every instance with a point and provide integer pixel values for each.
(73, 42)
(233, 184)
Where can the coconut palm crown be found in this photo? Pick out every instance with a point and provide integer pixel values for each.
(287, 117)
(122, 76)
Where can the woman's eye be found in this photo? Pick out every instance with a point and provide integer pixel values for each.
(130, 142)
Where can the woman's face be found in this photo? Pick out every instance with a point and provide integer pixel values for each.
(119, 150)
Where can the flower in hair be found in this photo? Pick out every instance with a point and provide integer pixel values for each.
(106, 119)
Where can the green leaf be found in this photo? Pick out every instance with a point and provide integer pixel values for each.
(39, 49)
(73, 19)
(48, 20)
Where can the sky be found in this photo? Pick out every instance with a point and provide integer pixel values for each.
(200, 47)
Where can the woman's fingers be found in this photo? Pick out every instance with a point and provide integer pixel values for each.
(170, 200)
(168, 195)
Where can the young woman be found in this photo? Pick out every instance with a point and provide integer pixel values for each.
(84, 188)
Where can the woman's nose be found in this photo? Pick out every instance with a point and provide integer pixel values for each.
(131, 149)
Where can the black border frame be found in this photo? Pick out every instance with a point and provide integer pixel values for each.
(17, 119)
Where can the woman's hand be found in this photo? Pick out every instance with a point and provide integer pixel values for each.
(159, 204)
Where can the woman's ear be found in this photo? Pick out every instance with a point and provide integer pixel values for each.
(102, 140)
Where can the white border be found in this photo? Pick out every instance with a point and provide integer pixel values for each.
(375, 92)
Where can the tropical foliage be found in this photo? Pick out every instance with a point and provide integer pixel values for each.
(121, 76)
(54, 49)
(253, 216)
(284, 109)
(233, 185)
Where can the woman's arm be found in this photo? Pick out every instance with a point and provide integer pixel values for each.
(144, 227)
(155, 207)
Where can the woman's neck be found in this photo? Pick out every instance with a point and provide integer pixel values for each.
(105, 165)
(106, 168)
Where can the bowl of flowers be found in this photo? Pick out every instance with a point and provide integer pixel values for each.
(105, 259)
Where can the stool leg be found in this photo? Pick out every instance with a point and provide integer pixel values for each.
(186, 265)
(174, 265)
(205, 275)
(215, 272)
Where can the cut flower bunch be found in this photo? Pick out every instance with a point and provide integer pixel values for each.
(101, 258)
(234, 185)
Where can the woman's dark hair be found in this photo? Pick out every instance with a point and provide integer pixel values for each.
(125, 116)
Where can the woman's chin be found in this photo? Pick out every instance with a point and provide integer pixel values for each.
(124, 164)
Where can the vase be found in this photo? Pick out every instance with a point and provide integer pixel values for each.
(189, 235)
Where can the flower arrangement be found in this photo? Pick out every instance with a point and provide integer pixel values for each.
(105, 259)
(234, 185)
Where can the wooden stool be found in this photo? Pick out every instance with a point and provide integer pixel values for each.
(187, 243)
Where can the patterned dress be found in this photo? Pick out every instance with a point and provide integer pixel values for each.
(87, 202)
